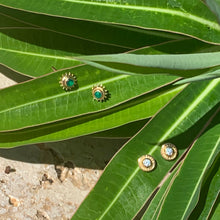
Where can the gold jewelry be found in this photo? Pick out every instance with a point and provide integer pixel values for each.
(169, 151)
(99, 93)
(68, 81)
(146, 163)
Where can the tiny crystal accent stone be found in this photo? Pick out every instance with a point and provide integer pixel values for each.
(98, 94)
(147, 162)
(70, 82)
(169, 151)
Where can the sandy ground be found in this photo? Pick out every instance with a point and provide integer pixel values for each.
(49, 181)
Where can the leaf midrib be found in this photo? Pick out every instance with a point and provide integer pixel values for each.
(201, 176)
(198, 99)
(39, 55)
(64, 93)
(63, 33)
(184, 14)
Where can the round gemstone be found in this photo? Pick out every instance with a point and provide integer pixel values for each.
(147, 162)
(169, 151)
(98, 94)
(70, 82)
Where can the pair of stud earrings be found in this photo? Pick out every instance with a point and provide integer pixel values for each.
(168, 151)
(68, 82)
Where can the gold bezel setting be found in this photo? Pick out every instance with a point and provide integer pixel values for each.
(99, 93)
(169, 151)
(146, 163)
(68, 81)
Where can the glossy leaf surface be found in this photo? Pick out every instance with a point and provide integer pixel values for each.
(163, 190)
(173, 16)
(209, 194)
(215, 73)
(214, 5)
(179, 64)
(123, 188)
(196, 164)
(42, 100)
(100, 121)
(96, 32)
(216, 213)
(33, 51)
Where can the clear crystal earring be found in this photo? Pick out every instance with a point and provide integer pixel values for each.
(169, 151)
(147, 163)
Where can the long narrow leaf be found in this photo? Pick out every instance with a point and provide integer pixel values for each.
(33, 51)
(123, 188)
(88, 124)
(169, 16)
(209, 193)
(42, 100)
(215, 73)
(96, 32)
(196, 164)
(156, 202)
(178, 64)
(214, 5)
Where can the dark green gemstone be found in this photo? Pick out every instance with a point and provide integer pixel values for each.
(98, 94)
(70, 82)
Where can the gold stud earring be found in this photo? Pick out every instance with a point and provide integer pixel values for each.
(99, 93)
(147, 163)
(169, 151)
(68, 81)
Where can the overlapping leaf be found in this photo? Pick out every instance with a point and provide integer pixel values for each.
(197, 16)
(195, 166)
(156, 202)
(123, 188)
(184, 65)
(100, 121)
(33, 51)
(96, 32)
(42, 100)
(209, 194)
(214, 5)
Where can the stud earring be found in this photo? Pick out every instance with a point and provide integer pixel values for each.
(147, 163)
(99, 93)
(169, 151)
(68, 81)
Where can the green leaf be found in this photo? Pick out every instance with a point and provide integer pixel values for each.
(42, 100)
(197, 162)
(214, 5)
(178, 64)
(174, 16)
(11, 74)
(106, 34)
(125, 131)
(162, 190)
(209, 193)
(33, 51)
(143, 107)
(216, 213)
(213, 74)
(123, 187)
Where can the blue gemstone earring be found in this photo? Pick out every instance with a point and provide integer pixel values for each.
(99, 93)
(68, 81)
